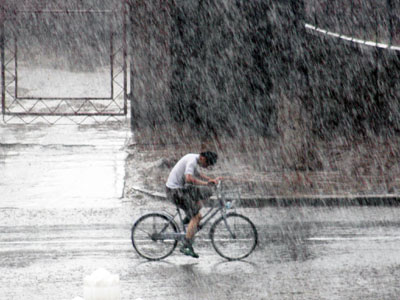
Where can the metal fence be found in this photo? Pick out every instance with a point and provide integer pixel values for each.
(63, 63)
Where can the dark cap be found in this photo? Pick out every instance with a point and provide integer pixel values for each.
(211, 157)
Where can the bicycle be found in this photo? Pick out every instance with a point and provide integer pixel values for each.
(234, 237)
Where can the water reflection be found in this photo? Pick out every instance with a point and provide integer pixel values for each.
(230, 267)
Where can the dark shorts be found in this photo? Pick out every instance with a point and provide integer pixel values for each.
(188, 198)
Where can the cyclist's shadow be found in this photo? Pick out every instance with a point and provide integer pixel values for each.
(226, 267)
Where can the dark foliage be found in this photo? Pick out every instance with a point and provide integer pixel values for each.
(232, 64)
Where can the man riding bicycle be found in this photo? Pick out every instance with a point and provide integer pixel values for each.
(186, 187)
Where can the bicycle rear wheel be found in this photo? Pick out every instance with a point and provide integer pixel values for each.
(147, 236)
(234, 237)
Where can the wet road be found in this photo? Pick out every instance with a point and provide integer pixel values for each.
(59, 166)
(55, 234)
(304, 253)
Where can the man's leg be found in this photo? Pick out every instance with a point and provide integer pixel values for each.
(194, 211)
(198, 194)
(192, 227)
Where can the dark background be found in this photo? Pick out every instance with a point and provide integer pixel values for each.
(227, 67)
(233, 62)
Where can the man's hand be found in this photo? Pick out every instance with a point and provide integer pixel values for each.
(206, 180)
(212, 182)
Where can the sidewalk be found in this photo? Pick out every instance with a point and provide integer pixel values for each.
(348, 174)
(69, 166)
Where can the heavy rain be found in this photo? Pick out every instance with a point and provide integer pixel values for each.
(299, 99)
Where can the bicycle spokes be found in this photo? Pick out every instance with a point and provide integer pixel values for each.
(153, 236)
(233, 236)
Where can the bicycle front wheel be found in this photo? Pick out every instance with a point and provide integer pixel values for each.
(152, 236)
(234, 237)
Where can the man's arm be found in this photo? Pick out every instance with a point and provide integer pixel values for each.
(204, 177)
(204, 180)
(191, 179)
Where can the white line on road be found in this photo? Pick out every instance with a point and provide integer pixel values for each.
(355, 238)
(123, 241)
(65, 241)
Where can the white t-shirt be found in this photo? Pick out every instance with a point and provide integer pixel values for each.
(186, 165)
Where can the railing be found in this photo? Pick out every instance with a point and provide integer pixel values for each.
(369, 22)
(77, 48)
(315, 29)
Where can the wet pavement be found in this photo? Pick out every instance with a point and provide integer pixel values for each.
(62, 216)
(304, 253)
(61, 166)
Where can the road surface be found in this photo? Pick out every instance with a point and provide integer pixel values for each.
(304, 253)
(62, 217)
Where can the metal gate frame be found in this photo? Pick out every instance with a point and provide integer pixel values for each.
(69, 110)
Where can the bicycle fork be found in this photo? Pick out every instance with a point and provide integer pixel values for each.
(228, 227)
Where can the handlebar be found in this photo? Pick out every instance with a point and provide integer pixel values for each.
(219, 184)
(225, 195)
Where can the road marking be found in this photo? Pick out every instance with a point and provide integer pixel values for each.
(355, 238)
(65, 241)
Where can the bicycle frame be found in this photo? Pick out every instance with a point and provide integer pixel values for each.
(212, 211)
(209, 215)
(207, 219)
(233, 236)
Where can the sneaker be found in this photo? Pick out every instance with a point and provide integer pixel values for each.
(187, 250)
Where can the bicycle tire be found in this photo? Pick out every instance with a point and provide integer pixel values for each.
(238, 247)
(142, 236)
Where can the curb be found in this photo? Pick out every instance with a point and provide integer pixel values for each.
(311, 200)
(323, 200)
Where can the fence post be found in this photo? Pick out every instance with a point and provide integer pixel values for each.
(125, 8)
(129, 30)
(2, 45)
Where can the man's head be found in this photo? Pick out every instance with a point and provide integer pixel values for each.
(208, 158)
